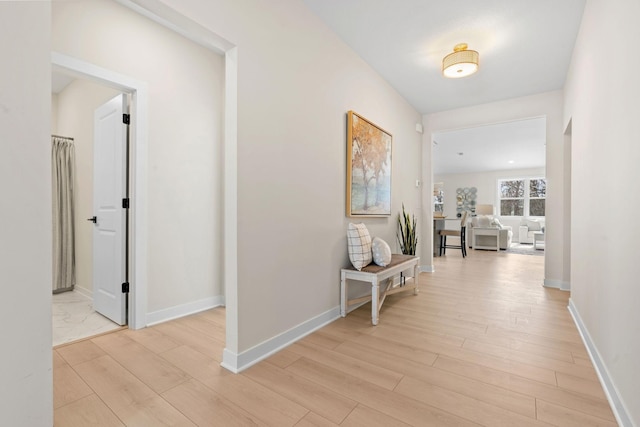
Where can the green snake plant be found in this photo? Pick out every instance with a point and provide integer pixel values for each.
(407, 233)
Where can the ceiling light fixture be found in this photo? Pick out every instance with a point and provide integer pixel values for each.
(460, 63)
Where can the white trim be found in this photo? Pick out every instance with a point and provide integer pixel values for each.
(237, 363)
(175, 21)
(617, 406)
(182, 310)
(84, 292)
(427, 269)
(138, 186)
(230, 218)
(557, 284)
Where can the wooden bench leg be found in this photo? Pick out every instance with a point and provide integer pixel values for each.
(416, 273)
(343, 295)
(375, 300)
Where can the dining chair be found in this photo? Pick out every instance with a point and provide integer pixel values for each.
(462, 234)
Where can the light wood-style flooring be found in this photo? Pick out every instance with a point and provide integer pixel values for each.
(482, 344)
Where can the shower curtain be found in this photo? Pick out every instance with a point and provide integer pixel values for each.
(63, 178)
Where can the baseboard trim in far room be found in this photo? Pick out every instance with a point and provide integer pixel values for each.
(83, 291)
(237, 363)
(617, 406)
(182, 310)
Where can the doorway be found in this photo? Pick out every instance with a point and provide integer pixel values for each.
(85, 311)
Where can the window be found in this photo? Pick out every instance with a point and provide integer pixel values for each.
(522, 197)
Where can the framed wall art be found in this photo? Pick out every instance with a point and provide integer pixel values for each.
(368, 168)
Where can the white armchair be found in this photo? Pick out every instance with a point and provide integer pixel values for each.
(505, 235)
(527, 229)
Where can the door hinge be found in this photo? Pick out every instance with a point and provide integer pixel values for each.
(125, 203)
(126, 119)
(125, 288)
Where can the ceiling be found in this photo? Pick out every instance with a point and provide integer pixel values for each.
(503, 146)
(525, 45)
(525, 48)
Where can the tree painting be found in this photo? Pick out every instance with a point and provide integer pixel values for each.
(369, 186)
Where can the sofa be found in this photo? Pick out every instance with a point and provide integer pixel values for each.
(505, 233)
(528, 228)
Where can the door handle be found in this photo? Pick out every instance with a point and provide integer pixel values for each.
(93, 219)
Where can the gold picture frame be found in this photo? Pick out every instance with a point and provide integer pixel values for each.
(369, 154)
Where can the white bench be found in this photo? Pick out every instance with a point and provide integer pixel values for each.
(375, 274)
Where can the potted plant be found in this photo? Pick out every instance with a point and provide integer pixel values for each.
(407, 237)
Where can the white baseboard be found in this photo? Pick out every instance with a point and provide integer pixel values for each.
(84, 292)
(182, 310)
(427, 269)
(557, 284)
(619, 410)
(239, 362)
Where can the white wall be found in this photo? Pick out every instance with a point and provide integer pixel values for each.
(296, 82)
(185, 128)
(74, 108)
(25, 206)
(547, 105)
(602, 103)
(487, 185)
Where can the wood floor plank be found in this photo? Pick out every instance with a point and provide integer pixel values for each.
(80, 352)
(582, 385)
(68, 386)
(315, 420)
(564, 417)
(392, 404)
(201, 324)
(150, 368)
(395, 349)
(283, 358)
(378, 375)
(363, 416)
(58, 360)
(265, 404)
(580, 402)
(130, 399)
(205, 407)
(88, 411)
(216, 315)
(152, 339)
(463, 406)
(533, 359)
(193, 338)
(316, 398)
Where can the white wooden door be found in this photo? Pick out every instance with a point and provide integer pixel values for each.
(109, 190)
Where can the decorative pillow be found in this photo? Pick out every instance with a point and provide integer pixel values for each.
(484, 221)
(359, 245)
(496, 222)
(381, 252)
(534, 225)
(474, 221)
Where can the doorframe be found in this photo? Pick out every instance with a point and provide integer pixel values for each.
(137, 172)
(179, 23)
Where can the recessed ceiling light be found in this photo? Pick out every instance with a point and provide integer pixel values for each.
(511, 162)
(460, 153)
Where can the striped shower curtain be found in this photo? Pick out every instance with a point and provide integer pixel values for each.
(63, 178)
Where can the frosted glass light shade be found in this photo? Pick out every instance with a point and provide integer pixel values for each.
(461, 62)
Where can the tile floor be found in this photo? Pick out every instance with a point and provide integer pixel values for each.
(74, 318)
